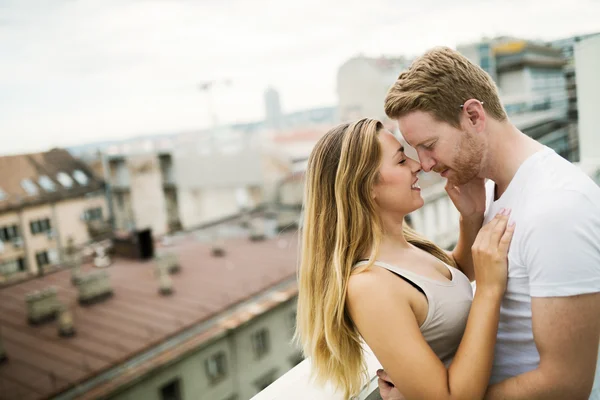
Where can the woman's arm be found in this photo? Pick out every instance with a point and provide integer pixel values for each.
(385, 319)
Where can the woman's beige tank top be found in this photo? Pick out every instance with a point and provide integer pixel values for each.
(449, 305)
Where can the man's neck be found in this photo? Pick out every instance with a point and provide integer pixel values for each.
(508, 149)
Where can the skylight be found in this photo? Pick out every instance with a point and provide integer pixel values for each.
(64, 179)
(46, 183)
(80, 177)
(29, 187)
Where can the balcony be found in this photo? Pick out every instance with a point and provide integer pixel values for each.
(297, 385)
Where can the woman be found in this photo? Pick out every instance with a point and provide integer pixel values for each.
(365, 275)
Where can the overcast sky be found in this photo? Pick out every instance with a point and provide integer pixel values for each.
(75, 71)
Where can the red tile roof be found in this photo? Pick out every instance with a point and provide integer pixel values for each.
(41, 364)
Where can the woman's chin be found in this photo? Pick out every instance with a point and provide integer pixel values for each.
(420, 202)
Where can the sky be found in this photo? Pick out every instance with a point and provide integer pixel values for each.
(78, 71)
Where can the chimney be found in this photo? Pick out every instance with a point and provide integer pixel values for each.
(65, 322)
(271, 224)
(257, 229)
(72, 259)
(94, 287)
(165, 283)
(167, 261)
(101, 259)
(42, 306)
(3, 357)
(245, 218)
(288, 220)
(218, 247)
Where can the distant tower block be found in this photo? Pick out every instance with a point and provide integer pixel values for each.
(273, 115)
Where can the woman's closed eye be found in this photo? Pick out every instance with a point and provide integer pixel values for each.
(402, 161)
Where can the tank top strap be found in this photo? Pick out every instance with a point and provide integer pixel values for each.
(412, 278)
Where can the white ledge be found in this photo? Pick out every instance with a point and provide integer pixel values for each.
(297, 385)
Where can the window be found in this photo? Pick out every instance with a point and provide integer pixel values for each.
(64, 179)
(21, 264)
(2, 195)
(80, 177)
(292, 322)
(296, 359)
(46, 183)
(93, 214)
(42, 258)
(485, 63)
(260, 343)
(265, 380)
(171, 391)
(29, 187)
(40, 226)
(12, 266)
(8, 233)
(120, 199)
(216, 367)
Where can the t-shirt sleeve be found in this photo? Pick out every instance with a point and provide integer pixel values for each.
(561, 245)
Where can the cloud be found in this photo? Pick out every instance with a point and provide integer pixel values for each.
(74, 71)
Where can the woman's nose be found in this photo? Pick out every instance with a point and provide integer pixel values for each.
(415, 166)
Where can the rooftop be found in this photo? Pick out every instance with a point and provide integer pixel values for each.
(136, 319)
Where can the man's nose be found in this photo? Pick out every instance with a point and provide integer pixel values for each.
(427, 163)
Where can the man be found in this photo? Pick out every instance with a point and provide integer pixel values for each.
(448, 109)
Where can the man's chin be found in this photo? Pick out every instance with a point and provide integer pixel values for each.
(458, 180)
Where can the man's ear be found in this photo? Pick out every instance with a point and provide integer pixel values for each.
(475, 113)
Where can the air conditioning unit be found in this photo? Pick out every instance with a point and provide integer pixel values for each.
(51, 234)
(17, 242)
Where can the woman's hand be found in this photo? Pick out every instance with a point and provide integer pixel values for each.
(490, 254)
(469, 199)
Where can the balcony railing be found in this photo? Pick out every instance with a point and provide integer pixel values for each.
(297, 385)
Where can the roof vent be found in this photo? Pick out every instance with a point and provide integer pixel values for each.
(93, 287)
(65, 322)
(42, 306)
(167, 261)
(165, 283)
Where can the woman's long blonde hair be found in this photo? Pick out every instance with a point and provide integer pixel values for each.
(340, 225)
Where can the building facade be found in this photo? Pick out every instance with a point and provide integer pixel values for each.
(234, 366)
(183, 182)
(46, 199)
(532, 87)
(567, 47)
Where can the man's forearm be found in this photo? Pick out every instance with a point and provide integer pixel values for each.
(534, 385)
(462, 252)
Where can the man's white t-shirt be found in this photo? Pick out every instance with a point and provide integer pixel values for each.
(555, 251)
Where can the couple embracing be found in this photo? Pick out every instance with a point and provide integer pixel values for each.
(512, 312)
